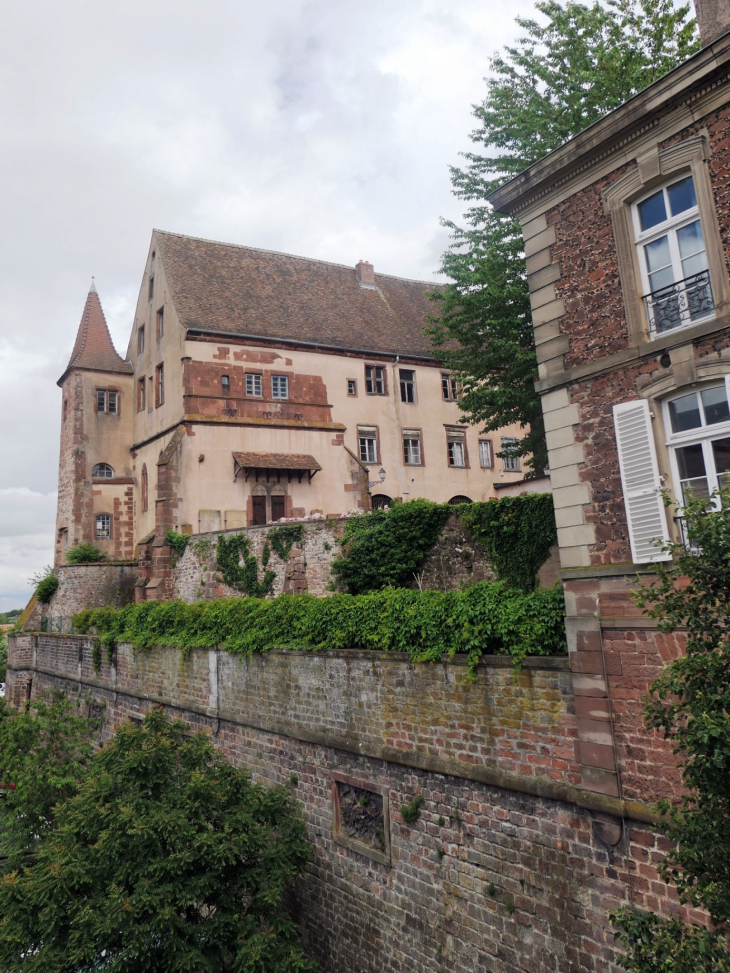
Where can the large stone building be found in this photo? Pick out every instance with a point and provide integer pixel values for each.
(627, 239)
(257, 386)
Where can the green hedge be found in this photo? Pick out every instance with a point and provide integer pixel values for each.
(486, 619)
(387, 547)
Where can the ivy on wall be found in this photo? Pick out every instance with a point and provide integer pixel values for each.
(283, 538)
(488, 618)
(240, 569)
(178, 543)
(517, 534)
(387, 547)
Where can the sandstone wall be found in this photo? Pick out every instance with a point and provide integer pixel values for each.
(84, 586)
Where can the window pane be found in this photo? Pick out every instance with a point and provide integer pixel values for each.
(652, 211)
(407, 385)
(100, 401)
(690, 239)
(684, 413)
(682, 196)
(657, 254)
(456, 454)
(445, 386)
(691, 461)
(715, 405)
(279, 387)
(113, 403)
(721, 453)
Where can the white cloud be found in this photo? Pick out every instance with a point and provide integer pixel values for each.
(317, 127)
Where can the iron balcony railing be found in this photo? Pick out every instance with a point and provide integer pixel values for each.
(680, 303)
(684, 535)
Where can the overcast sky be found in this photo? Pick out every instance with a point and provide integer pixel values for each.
(322, 128)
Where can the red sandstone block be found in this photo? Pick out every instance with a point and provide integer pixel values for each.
(601, 781)
(591, 662)
(591, 708)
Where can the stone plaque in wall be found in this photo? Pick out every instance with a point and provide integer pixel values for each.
(236, 519)
(208, 520)
(360, 819)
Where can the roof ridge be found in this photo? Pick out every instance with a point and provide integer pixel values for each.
(283, 253)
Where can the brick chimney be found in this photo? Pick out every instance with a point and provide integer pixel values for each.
(366, 272)
(713, 19)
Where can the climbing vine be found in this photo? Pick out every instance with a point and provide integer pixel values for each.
(240, 569)
(283, 538)
(178, 543)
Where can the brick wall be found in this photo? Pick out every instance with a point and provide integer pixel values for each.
(509, 867)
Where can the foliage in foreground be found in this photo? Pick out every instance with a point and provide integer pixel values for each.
(3, 657)
(564, 73)
(167, 859)
(690, 702)
(387, 547)
(44, 752)
(84, 554)
(486, 619)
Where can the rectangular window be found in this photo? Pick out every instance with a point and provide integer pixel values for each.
(107, 401)
(411, 447)
(159, 385)
(141, 395)
(510, 464)
(673, 257)
(140, 340)
(254, 385)
(486, 460)
(449, 388)
(151, 287)
(65, 409)
(368, 443)
(279, 387)
(456, 453)
(226, 384)
(160, 323)
(375, 380)
(407, 385)
(103, 527)
(351, 386)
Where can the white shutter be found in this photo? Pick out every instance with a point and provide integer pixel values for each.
(640, 481)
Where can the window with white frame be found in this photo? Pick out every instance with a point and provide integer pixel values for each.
(254, 385)
(103, 527)
(455, 440)
(486, 459)
(698, 427)
(407, 385)
(412, 447)
(510, 462)
(375, 380)
(279, 387)
(102, 471)
(107, 401)
(368, 445)
(673, 257)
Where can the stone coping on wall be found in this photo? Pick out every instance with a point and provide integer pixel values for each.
(508, 728)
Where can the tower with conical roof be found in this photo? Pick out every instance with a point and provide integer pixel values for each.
(95, 481)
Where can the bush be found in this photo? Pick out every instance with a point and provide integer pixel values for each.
(84, 554)
(165, 858)
(47, 589)
(486, 619)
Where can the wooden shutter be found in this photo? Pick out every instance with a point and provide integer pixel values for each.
(640, 481)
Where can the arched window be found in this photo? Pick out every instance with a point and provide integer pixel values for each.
(102, 471)
(145, 495)
(381, 501)
(460, 499)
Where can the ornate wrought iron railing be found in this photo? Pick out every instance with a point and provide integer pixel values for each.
(684, 535)
(680, 303)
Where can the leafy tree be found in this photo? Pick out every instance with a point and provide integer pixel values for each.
(167, 859)
(44, 752)
(565, 73)
(690, 702)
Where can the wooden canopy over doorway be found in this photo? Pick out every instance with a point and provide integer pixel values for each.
(272, 466)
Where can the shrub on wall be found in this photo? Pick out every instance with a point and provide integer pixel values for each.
(47, 589)
(387, 547)
(84, 554)
(486, 619)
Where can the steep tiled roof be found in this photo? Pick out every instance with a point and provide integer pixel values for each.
(276, 461)
(94, 348)
(241, 290)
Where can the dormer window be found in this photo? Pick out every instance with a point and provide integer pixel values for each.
(673, 257)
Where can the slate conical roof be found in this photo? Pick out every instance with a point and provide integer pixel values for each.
(94, 348)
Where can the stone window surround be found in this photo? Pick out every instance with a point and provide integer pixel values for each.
(371, 432)
(653, 169)
(414, 432)
(384, 857)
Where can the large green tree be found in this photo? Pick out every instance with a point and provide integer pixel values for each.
(167, 859)
(690, 703)
(567, 70)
